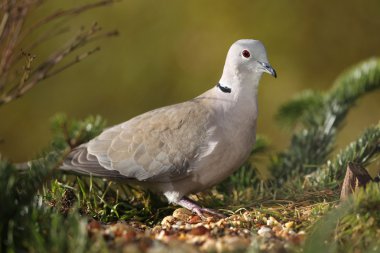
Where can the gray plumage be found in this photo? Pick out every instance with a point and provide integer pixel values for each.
(160, 145)
(186, 147)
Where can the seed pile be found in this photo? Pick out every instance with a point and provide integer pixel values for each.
(185, 232)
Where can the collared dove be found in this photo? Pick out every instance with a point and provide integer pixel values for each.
(188, 147)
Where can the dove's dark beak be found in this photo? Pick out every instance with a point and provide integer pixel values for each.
(266, 67)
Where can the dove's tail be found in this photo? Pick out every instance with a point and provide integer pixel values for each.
(81, 162)
(77, 162)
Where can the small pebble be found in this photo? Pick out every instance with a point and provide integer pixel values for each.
(175, 226)
(119, 229)
(220, 223)
(289, 224)
(167, 221)
(200, 230)
(157, 229)
(130, 235)
(182, 214)
(264, 231)
(247, 216)
(194, 219)
(246, 231)
(273, 220)
(161, 235)
(93, 225)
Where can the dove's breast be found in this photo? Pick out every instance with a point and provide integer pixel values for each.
(230, 143)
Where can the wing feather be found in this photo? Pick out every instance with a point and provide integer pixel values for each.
(159, 145)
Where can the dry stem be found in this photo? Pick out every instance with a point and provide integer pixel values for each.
(13, 33)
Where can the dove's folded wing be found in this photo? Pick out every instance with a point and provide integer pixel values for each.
(160, 145)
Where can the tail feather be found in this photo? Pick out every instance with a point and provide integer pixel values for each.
(80, 161)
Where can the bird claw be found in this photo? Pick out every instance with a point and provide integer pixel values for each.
(200, 211)
(213, 212)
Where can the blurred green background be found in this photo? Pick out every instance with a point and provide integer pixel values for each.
(170, 51)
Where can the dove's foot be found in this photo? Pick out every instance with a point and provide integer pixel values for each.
(200, 211)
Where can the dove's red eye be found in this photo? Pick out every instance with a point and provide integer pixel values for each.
(246, 53)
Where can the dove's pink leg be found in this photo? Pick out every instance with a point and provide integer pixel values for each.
(194, 207)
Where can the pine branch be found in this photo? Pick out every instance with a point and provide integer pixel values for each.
(27, 222)
(298, 110)
(312, 144)
(363, 151)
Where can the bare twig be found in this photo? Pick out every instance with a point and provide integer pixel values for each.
(12, 34)
(3, 23)
(76, 60)
(61, 13)
(56, 31)
(45, 69)
(27, 68)
(10, 37)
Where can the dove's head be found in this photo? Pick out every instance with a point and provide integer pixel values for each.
(246, 61)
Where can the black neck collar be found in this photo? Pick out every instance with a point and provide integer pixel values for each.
(224, 89)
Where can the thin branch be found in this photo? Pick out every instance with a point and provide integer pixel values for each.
(44, 70)
(3, 23)
(41, 39)
(13, 33)
(27, 68)
(76, 60)
(68, 12)
(10, 37)
(57, 30)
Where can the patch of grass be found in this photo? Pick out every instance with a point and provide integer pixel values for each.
(28, 223)
(354, 226)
